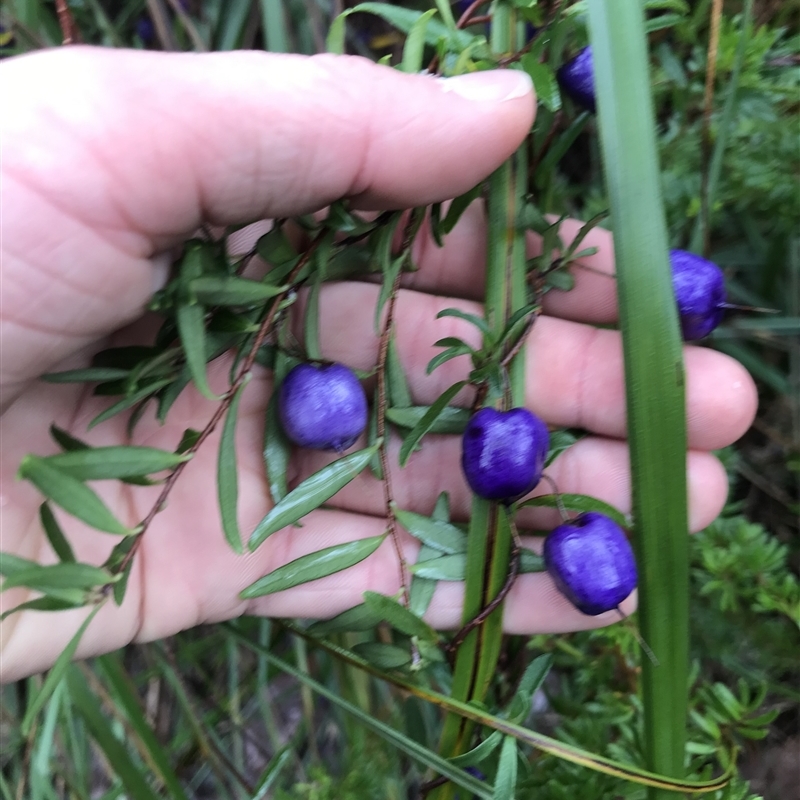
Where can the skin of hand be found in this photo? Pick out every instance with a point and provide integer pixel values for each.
(112, 158)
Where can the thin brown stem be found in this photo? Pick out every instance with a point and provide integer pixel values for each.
(69, 30)
(263, 331)
(513, 572)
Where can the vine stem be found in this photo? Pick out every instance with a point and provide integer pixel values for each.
(242, 375)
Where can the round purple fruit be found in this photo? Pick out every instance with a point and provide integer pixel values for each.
(576, 79)
(591, 562)
(503, 453)
(322, 406)
(699, 287)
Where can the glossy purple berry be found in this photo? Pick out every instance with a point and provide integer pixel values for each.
(322, 406)
(576, 79)
(591, 562)
(699, 287)
(503, 453)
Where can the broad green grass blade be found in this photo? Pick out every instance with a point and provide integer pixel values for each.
(654, 374)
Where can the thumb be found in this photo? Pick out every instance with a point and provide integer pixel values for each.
(111, 156)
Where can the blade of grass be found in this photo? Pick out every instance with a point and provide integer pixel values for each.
(654, 375)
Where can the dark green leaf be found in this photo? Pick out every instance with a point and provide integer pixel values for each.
(88, 375)
(11, 564)
(530, 561)
(422, 589)
(66, 441)
(414, 48)
(404, 18)
(446, 568)
(314, 566)
(399, 617)
(73, 496)
(578, 502)
(55, 535)
(277, 448)
(191, 326)
(115, 751)
(188, 440)
(451, 420)
(440, 535)
(227, 475)
(475, 320)
(560, 440)
(398, 391)
(130, 401)
(382, 655)
(426, 422)
(55, 675)
(544, 81)
(48, 603)
(115, 462)
(447, 355)
(560, 279)
(457, 208)
(230, 290)
(312, 493)
(479, 753)
(535, 674)
(274, 247)
(382, 241)
(66, 575)
(559, 147)
(573, 246)
(358, 618)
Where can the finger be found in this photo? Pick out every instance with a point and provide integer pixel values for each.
(575, 372)
(109, 156)
(458, 268)
(596, 467)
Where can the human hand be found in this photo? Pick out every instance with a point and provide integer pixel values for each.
(112, 157)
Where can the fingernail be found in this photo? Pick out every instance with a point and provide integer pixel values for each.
(492, 86)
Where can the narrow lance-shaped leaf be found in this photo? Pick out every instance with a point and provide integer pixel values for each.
(227, 475)
(358, 618)
(312, 493)
(115, 462)
(65, 575)
(404, 18)
(451, 420)
(55, 675)
(130, 401)
(55, 535)
(577, 502)
(440, 535)
(49, 603)
(314, 566)
(73, 496)
(230, 290)
(399, 616)
(425, 424)
(384, 655)
(399, 392)
(87, 375)
(446, 568)
(506, 781)
(414, 48)
(277, 448)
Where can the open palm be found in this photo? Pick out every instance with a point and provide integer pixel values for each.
(112, 157)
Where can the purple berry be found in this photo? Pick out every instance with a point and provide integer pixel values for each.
(576, 78)
(322, 406)
(591, 562)
(699, 287)
(503, 453)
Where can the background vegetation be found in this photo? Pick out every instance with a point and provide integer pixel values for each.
(205, 715)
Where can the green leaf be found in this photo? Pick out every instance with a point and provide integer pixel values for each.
(55, 675)
(535, 674)
(131, 400)
(65, 575)
(422, 589)
(381, 242)
(530, 562)
(73, 496)
(446, 568)
(447, 355)
(578, 502)
(457, 208)
(560, 279)
(404, 18)
(88, 375)
(358, 618)
(115, 462)
(230, 290)
(115, 751)
(312, 493)
(383, 655)
(314, 566)
(544, 81)
(426, 422)
(191, 327)
(277, 448)
(506, 780)
(274, 247)
(414, 48)
(397, 384)
(451, 420)
(399, 617)
(440, 535)
(227, 475)
(49, 603)
(479, 753)
(124, 693)
(55, 535)
(475, 320)
(11, 564)
(560, 440)
(188, 440)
